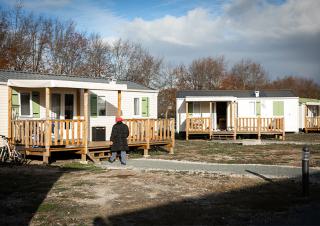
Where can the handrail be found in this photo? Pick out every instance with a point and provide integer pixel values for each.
(150, 130)
(312, 122)
(241, 124)
(198, 124)
(62, 132)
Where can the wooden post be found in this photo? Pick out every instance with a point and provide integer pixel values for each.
(318, 121)
(234, 121)
(148, 134)
(231, 112)
(187, 121)
(284, 131)
(78, 103)
(145, 152)
(210, 119)
(119, 103)
(259, 127)
(46, 155)
(85, 124)
(171, 151)
(305, 118)
(235, 128)
(147, 147)
(9, 113)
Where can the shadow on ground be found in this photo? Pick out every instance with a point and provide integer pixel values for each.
(275, 202)
(23, 191)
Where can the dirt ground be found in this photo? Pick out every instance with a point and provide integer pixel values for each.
(86, 195)
(210, 151)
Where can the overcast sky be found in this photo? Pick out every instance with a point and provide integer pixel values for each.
(282, 35)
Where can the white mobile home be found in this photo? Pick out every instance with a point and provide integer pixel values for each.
(309, 110)
(60, 111)
(232, 112)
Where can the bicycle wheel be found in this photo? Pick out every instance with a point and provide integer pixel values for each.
(4, 154)
(17, 156)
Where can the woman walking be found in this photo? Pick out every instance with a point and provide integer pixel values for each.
(119, 143)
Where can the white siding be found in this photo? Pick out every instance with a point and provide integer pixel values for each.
(291, 114)
(127, 108)
(127, 103)
(4, 110)
(301, 115)
(291, 110)
(61, 91)
(247, 108)
(180, 115)
(111, 112)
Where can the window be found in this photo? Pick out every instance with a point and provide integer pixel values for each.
(145, 106)
(196, 107)
(68, 106)
(252, 108)
(97, 105)
(258, 108)
(55, 106)
(136, 106)
(101, 106)
(93, 105)
(25, 104)
(278, 108)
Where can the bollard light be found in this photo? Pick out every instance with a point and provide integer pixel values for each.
(305, 170)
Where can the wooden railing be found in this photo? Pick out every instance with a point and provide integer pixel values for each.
(61, 132)
(242, 124)
(247, 124)
(150, 130)
(198, 125)
(259, 124)
(312, 122)
(272, 125)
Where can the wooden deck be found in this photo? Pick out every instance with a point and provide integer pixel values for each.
(312, 124)
(69, 135)
(242, 125)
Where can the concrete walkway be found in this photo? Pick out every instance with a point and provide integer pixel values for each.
(263, 142)
(257, 170)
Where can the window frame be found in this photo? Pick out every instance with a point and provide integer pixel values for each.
(30, 104)
(252, 104)
(136, 106)
(104, 104)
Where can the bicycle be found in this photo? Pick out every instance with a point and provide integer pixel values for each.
(8, 152)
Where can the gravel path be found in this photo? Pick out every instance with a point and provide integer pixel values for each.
(263, 171)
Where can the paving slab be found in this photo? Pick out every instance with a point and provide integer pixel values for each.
(251, 170)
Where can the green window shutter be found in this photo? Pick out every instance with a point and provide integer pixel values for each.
(145, 106)
(36, 104)
(278, 108)
(93, 105)
(15, 98)
(190, 107)
(15, 102)
(258, 108)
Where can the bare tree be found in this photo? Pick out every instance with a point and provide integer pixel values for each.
(133, 63)
(68, 48)
(98, 61)
(302, 87)
(249, 74)
(202, 74)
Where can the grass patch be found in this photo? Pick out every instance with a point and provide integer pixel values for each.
(210, 151)
(48, 207)
(78, 166)
(82, 183)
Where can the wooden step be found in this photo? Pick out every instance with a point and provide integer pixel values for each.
(222, 136)
(99, 155)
